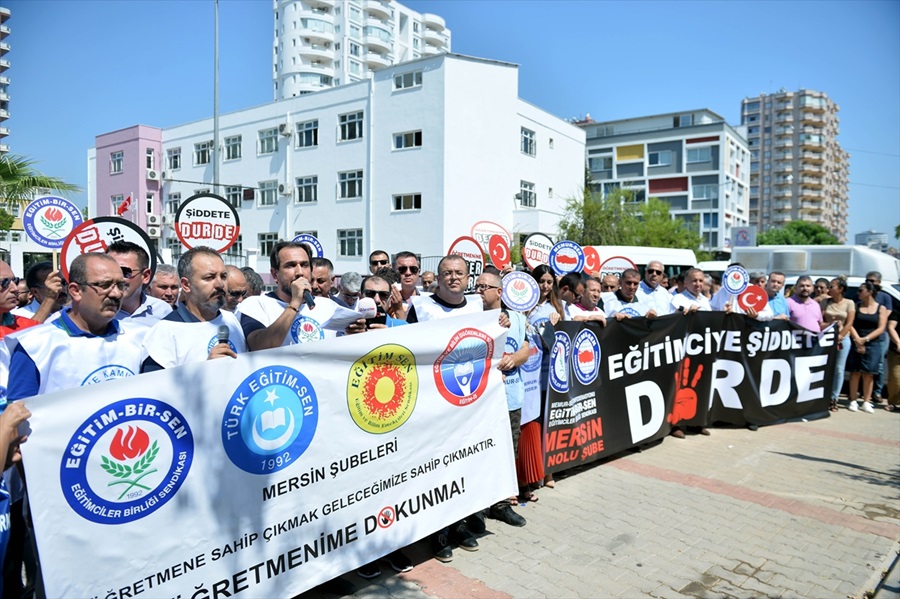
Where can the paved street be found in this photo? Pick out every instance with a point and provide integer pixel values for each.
(805, 509)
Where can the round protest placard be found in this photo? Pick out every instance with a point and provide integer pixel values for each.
(48, 220)
(311, 241)
(207, 219)
(591, 260)
(616, 265)
(536, 250)
(520, 291)
(753, 297)
(471, 252)
(96, 234)
(498, 250)
(483, 230)
(735, 279)
(565, 257)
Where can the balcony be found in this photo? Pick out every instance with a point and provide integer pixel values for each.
(784, 118)
(814, 157)
(4, 48)
(433, 22)
(817, 107)
(378, 9)
(782, 193)
(320, 68)
(379, 40)
(318, 30)
(324, 15)
(4, 64)
(806, 192)
(4, 149)
(430, 50)
(784, 142)
(811, 144)
(378, 61)
(816, 182)
(329, 4)
(4, 31)
(783, 107)
(812, 118)
(4, 131)
(781, 131)
(433, 38)
(4, 114)
(316, 51)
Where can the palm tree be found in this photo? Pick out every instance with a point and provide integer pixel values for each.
(20, 183)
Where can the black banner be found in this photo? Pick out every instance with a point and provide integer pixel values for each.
(626, 384)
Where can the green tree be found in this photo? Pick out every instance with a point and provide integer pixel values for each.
(20, 183)
(798, 233)
(6, 220)
(657, 228)
(597, 220)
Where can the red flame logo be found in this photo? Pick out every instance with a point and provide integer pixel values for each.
(54, 215)
(127, 445)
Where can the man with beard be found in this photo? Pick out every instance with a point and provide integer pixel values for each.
(282, 317)
(804, 310)
(192, 332)
(86, 344)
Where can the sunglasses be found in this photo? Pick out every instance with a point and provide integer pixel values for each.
(378, 262)
(237, 293)
(653, 271)
(4, 283)
(403, 269)
(872, 281)
(384, 295)
(608, 287)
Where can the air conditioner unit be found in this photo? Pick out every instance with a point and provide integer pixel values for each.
(166, 176)
(153, 220)
(285, 189)
(153, 232)
(168, 219)
(152, 175)
(284, 129)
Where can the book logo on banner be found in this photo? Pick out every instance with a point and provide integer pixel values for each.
(586, 357)
(270, 420)
(382, 389)
(559, 362)
(126, 461)
(461, 372)
(304, 329)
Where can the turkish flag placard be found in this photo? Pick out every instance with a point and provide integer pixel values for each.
(753, 297)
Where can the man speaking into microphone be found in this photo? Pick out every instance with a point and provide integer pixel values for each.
(198, 329)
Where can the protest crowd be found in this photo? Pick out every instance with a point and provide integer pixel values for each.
(57, 332)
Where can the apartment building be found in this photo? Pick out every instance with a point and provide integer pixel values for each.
(692, 160)
(5, 15)
(409, 159)
(798, 169)
(326, 43)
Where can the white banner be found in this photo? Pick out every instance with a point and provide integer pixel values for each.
(271, 473)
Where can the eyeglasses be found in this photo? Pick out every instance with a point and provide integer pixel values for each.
(378, 262)
(608, 287)
(105, 287)
(653, 271)
(237, 293)
(129, 273)
(454, 273)
(4, 283)
(480, 288)
(412, 269)
(872, 281)
(384, 295)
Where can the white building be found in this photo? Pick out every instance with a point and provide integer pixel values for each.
(407, 160)
(873, 239)
(326, 43)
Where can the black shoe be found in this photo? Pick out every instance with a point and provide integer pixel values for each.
(476, 522)
(462, 536)
(370, 570)
(440, 546)
(677, 433)
(753, 427)
(399, 562)
(505, 513)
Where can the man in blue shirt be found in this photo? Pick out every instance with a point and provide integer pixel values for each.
(776, 298)
(885, 300)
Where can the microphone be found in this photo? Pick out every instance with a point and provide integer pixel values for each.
(366, 307)
(308, 299)
(223, 333)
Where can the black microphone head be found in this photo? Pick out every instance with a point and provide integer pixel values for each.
(223, 333)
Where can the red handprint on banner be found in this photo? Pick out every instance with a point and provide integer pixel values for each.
(685, 406)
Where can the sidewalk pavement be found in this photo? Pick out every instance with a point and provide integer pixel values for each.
(804, 509)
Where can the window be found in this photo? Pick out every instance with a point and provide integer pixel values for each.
(313, 233)
(268, 141)
(233, 147)
(233, 194)
(415, 27)
(349, 242)
(412, 139)
(355, 67)
(308, 134)
(202, 152)
(527, 199)
(706, 192)
(663, 158)
(307, 189)
(116, 162)
(237, 248)
(600, 164)
(149, 203)
(351, 126)
(409, 201)
(266, 242)
(150, 159)
(754, 130)
(173, 203)
(699, 155)
(354, 49)
(116, 202)
(268, 193)
(710, 220)
(683, 120)
(528, 142)
(350, 184)
(173, 157)
(407, 80)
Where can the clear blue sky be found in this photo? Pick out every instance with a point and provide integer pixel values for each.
(79, 69)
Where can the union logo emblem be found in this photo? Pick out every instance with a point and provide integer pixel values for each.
(382, 389)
